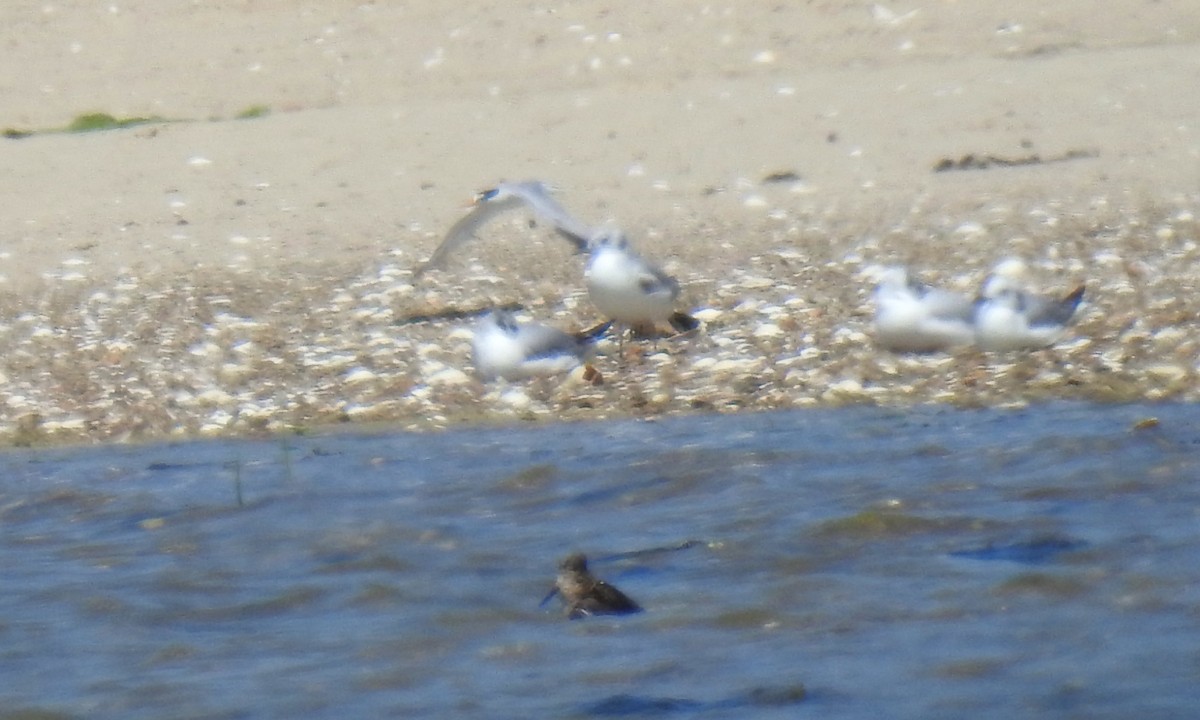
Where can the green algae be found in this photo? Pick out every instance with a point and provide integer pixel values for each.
(86, 123)
(101, 121)
(252, 112)
(93, 122)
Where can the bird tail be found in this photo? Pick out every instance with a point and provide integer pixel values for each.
(682, 322)
(1069, 303)
(1074, 297)
(593, 334)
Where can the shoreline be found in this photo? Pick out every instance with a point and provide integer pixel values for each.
(225, 354)
(241, 276)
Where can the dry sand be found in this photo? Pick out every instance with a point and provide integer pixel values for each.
(217, 275)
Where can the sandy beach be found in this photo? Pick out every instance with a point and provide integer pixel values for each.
(242, 261)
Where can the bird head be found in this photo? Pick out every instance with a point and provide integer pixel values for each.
(608, 237)
(575, 562)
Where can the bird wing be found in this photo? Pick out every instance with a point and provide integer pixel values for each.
(463, 230)
(580, 241)
(948, 305)
(1051, 311)
(537, 195)
(593, 334)
(682, 322)
(653, 280)
(533, 194)
(544, 341)
(610, 600)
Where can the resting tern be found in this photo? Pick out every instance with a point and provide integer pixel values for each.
(503, 348)
(913, 317)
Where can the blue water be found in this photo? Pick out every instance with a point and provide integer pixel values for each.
(853, 563)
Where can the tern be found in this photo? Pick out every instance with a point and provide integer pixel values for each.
(1013, 319)
(621, 284)
(1010, 317)
(503, 348)
(913, 317)
(627, 288)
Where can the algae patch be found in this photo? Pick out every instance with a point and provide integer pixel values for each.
(92, 122)
(100, 121)
(85, 123)
(254, 111)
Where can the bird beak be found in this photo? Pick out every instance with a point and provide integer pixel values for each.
(481, 196)
(552, 593)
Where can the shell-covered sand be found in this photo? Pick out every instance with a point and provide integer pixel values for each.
(213, 275)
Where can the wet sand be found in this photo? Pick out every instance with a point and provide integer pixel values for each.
(215, 275)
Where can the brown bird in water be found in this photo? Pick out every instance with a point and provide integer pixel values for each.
(586, 595)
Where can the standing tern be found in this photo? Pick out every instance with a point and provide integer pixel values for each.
(627, 288)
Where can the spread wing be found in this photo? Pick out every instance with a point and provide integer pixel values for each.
(463, 230)
(540, 200)
(505, 197)
(574, 236)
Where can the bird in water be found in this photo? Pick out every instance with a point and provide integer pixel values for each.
(583, 594)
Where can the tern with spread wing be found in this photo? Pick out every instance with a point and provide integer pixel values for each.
(621, 284)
